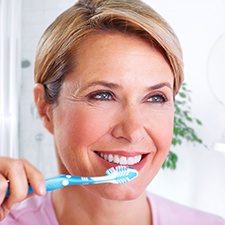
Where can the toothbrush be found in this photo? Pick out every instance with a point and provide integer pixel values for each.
(117, 175)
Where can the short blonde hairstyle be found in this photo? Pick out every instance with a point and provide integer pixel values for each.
(57, 48)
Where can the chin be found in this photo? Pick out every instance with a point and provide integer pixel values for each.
(118, 192)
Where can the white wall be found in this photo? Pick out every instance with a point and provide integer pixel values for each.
(35, 143)
(199, 180)
(10, 23)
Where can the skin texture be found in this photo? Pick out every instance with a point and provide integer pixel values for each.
(118, 100)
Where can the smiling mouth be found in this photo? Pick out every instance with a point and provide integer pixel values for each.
(122, 160)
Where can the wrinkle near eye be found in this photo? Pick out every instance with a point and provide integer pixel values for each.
(74, 98)
(71, 86)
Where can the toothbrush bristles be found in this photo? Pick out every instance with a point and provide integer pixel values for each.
(123, 174)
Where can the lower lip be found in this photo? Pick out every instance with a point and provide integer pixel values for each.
(137, 166)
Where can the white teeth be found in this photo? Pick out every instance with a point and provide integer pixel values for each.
(121, 159)
(130, 160)
(116, 159)
(110, 158)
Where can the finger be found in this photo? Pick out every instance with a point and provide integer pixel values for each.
(6, 207)
(3, 188)
(35, 177)
(17, 182)
(3, 202)
(19, 173)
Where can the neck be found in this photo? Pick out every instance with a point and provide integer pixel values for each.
(80, 206)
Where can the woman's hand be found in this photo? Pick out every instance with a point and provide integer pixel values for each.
(17, 173)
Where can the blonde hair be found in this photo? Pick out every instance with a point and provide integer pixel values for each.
(56, 52)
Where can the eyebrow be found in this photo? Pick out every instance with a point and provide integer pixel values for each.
(117, 86)
(102, 83)
(160, 85)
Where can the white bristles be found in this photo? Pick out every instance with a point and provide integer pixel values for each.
(121, 174)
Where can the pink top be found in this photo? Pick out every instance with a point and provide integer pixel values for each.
(39, 210)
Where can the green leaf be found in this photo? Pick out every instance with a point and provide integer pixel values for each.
(179, 141)
(176, 130)
(170, 161)
(183, 130)
(180, 121)
(189, 118)
(182, 95)
(198, 121)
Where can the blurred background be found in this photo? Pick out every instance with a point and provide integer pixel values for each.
(199, 178)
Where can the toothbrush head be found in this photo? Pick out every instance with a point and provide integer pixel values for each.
(122, 174)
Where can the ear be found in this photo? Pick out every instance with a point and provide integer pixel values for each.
(44, 109)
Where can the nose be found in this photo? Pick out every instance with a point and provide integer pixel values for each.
(129, 126)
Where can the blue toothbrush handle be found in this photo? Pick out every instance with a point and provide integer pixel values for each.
(66, 180)
(118, 175)
(60, 181)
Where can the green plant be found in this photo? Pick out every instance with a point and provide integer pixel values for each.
(183, 121)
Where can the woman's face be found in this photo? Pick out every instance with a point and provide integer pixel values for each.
(115, 108)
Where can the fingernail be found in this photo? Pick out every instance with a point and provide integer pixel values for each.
(42, 189)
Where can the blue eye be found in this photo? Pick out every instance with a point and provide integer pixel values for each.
(103, 96)
(157, 99)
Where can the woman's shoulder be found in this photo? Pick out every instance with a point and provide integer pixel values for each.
(33, 211)
(166, 212)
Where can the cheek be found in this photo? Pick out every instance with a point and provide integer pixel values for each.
(162, 132)
(74, 132)
(80, 128)
(167, 132)
(88, 129)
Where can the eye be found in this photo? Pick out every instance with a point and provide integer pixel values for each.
(102, 96)
(158, 98)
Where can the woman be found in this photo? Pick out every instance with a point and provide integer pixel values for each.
(106, 75)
